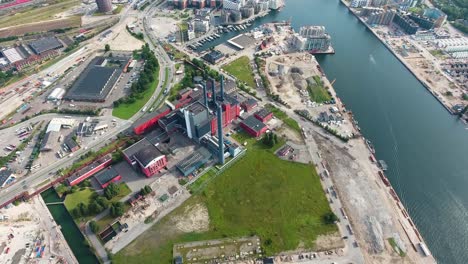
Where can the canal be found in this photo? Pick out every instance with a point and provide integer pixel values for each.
(72, 234)
(424, 146)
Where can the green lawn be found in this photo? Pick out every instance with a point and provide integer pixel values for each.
(196, 186)
(280, 201)
(126, 111)
(73, 199)
(124, 191)
(284, 117)
(317, 92)
(242, 70)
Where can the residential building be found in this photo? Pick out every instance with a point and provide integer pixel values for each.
(435, 14)
(104, 6)
(405, 23)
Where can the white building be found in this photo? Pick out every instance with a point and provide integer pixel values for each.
(453, 44)
(232, 4)
(298, 42)
(359, 3)
(56, 94)
(201, 25)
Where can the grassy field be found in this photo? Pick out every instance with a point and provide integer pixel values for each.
(280, 201)
(36, 14)
(126, 111)
(284, 117)
(123, 191)
(83, 196)
(196, 186)
(317, 92)
(242, 70)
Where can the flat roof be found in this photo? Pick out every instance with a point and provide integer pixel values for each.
(242, 41)
(144, 151)
(106, 175)
(250, 102)
(45, 44)
(5, 175)
(151, 115)
(12, 55)
(194, 160)
(253, 123)
(88, 168)
(95, 82)
(263, 113)
(196, 108)
(70, 142)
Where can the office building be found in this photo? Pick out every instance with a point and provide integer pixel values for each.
(104, 6)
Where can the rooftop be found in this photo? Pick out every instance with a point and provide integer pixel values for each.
(4, 176)
(194, 160)
(253, 123)
(106, 175)
(196, 108)
(95, 82)
(88, 168)
(144, 151)
(44, 44)
(262, 113)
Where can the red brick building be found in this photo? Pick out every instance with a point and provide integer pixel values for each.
(107, 176)
(263, 115)
(89, 170)
(253, 126)
(145, 157)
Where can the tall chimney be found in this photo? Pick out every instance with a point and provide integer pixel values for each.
(213, 93)
(222, 88)
(220, 133)
(205, 95)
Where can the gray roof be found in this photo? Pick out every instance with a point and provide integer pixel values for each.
(95, 82)
(143, 151)
(45, 44)
(106, 175)
(4, 175)
(253, 123)
(262, 113)
(193, 161)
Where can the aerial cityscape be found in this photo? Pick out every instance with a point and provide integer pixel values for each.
(233, 131)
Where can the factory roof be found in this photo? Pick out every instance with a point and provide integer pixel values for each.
(262, 113)
(144, 151)
(56, 123)
(253, 123)
(151, 115)
(250, 102)
(194, 161)
(5, 174)
(12, 55)
(196, 108)
(45, 44)
(96, 81)
(106, 175)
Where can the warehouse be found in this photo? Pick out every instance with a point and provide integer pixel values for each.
(89, 170)
(97, 80)
(45, 44)
(107, 176)
(194, 161)
(253, 126)
(263, 115)
(56, 95)
(12, 55)
(146, 157)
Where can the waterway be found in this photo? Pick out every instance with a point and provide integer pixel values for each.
(424, 146)
(72, 234)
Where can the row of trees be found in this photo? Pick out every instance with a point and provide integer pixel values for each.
(270, 139)
(145, 80)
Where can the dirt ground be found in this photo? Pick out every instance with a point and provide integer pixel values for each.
(124, 41)
(328, 242)
(194, 219)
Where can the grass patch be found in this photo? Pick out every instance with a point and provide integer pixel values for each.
(83, 196)
(118, 9)
(395, 247)
(242, 70)
(201, 180)
(280, 201)
(36, 14)
(284, 117)
(124, 190)
(317, 92)
(126, 111)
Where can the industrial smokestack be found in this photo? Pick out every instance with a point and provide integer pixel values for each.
(222, 88)
(205, 95)
(213, 93)
(220, 133)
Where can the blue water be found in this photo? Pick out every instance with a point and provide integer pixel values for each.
(425, 147)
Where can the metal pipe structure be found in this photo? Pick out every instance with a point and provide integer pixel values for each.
(213, 93)
(222, 88)
(220, 133)
(205, 95)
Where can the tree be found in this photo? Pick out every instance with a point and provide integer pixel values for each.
(330, 218)
(83, 209)
(76, 213)
(95, 207)
(147, 189)
(94, 226)
(111, 190)
(106, 47)
(117, 209)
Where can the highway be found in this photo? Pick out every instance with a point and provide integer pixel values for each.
(46, 172)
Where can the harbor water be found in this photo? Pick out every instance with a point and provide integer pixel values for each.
(424, 146)
(72, 234)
